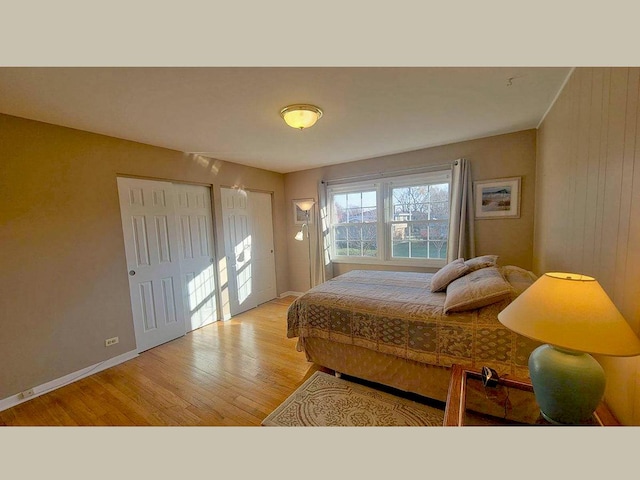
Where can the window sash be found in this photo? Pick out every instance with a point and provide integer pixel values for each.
(340, 244)
(434, 247)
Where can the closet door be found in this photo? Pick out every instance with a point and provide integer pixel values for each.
(264, 259)
(237, 246)
(248, 236)
(196, 254)
(151, 246)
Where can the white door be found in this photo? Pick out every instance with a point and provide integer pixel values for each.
(148, 223)
(251, 270)
(196, 254)
(237, 245)
(263, 257)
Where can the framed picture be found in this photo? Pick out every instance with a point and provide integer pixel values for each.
(299, 215)
(499, 198)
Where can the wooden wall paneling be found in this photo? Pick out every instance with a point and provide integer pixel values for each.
(629, 306)
(568, 189)
(593, 171)
(550, 186)
(581, 174)
(628, 152)
(589, 178)
(613, 181)
(604, 142)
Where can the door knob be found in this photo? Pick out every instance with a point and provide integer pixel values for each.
(132, 272)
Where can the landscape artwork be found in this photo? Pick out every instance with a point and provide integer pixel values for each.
(498, 198)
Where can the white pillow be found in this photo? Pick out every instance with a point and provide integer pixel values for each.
(484, 261)
(477, 289)
(448, 274)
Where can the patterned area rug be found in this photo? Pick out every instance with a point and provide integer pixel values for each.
(326, 401)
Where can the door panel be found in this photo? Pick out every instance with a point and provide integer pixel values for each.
(263, 256)
(169, 300)
(162, 234)
(196, 255)
(147, 307)
(140, 241)
(237, 242)
(248, 236)
(148, 223)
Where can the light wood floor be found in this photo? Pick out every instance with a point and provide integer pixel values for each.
(228, 373)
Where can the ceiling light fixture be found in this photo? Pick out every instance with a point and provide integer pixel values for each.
(301, 116)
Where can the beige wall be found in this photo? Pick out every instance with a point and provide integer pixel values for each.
(588, 202)
(64, 287)
(492, 157)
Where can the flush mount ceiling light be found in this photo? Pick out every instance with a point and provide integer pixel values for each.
(301, 116)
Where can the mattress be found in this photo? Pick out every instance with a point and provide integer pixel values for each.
(395, 315)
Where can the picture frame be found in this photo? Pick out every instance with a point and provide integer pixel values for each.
(497, 198)
(299, 215)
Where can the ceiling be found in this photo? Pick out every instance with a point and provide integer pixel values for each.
(232, 113)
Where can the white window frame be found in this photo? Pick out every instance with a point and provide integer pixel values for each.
(384, 205)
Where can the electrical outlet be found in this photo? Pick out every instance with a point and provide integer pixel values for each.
(28, 393)
(111, 341)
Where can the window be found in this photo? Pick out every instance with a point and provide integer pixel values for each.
(355, 223)
(401, 220)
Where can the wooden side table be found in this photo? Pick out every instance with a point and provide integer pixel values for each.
(511, 402)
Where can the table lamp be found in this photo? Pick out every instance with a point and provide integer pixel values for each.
(573, 316)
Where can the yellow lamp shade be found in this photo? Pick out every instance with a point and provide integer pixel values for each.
(301, 116)
(571, 311)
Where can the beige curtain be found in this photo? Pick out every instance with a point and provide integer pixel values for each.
(321, 266)
(461, 234)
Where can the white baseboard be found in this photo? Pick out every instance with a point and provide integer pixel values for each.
(17, 399)
(290, 294)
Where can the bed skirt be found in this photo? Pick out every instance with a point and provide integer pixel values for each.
(404, 374)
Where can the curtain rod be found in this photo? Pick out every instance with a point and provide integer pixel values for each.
(394, 173)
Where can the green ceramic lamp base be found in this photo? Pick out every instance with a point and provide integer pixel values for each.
(568, 385)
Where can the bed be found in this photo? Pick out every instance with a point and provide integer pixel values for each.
(390, 328)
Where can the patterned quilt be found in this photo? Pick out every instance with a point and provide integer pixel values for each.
(396, 313)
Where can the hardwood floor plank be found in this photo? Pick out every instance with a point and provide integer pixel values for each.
(231, 373)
